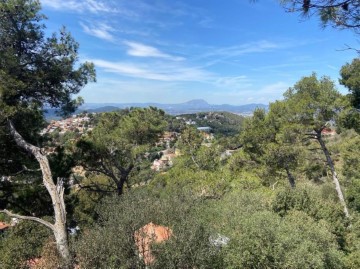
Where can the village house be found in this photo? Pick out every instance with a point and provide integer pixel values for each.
(165, 161)
(76, 122)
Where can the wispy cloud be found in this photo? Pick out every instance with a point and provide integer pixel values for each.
(101, 30)
(79, 6)
(141, 50)
(235, 82)
(265, 94)
(162, 72)
(252, 47)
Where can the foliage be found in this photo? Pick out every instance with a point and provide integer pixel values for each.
(350, 78)
(203, 183)
(313, 102)
(119, 142)
(342, 14)
(351, 170)
(189, 248)
(264, 240)
(49, 257)
(319, 203)
(270, 140)
(352, 260)
(85, 197)
(222, 124)
(21, 243)
(260, 238)
(349, 118)
(34, 70)
(189, 143)
(122, 216)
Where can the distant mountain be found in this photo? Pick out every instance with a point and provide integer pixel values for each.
(196, 103)
(192, 106)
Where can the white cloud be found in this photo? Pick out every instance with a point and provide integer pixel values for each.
(162, 72)
(234, 82)
(141, 50)
(265, 94)
(79, 6)
(101, 30)
(277, 88)
(252, 47)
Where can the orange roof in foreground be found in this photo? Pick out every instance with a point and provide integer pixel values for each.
(148, 234)
(4, 225)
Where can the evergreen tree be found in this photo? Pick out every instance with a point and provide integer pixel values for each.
(314, 105)
(35, 72)
(119, 142)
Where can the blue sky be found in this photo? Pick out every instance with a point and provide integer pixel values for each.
(169, 51)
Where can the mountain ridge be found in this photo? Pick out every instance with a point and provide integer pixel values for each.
(191, 106)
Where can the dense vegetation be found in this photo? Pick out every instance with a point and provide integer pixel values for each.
(280, 189)
(221, 123)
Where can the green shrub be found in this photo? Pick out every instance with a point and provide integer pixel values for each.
(265, 240)
(111, 243)
(22, 242)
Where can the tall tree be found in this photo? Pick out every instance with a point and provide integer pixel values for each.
(37, 71)
(349, 117)
(118, 143)
(314, 105)
(190, 143)
(270, 140)
(350, 78)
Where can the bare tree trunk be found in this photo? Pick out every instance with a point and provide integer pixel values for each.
(333, 172)
(291, 178)
(56, 192)
(120, 185)
(124, 176)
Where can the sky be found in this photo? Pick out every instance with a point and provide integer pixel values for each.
(171, 51)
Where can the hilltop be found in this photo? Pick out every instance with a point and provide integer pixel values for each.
(221, 123)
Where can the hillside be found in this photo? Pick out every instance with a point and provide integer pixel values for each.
(222, 123)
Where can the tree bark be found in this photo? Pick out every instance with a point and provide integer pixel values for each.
(124, 175)
(333, 172)
(120, 187)
(56, 192)
(291, 178)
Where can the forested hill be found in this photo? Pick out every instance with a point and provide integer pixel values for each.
(192, 106)
(221, 123)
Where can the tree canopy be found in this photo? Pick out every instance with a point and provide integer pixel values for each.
(36, 72)
(119, 141)
(342, 14)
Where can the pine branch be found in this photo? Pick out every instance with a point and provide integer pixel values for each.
(13, 215)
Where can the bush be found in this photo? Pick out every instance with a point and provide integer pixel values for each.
(111, 243)
(21, 243)
(265, 240)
